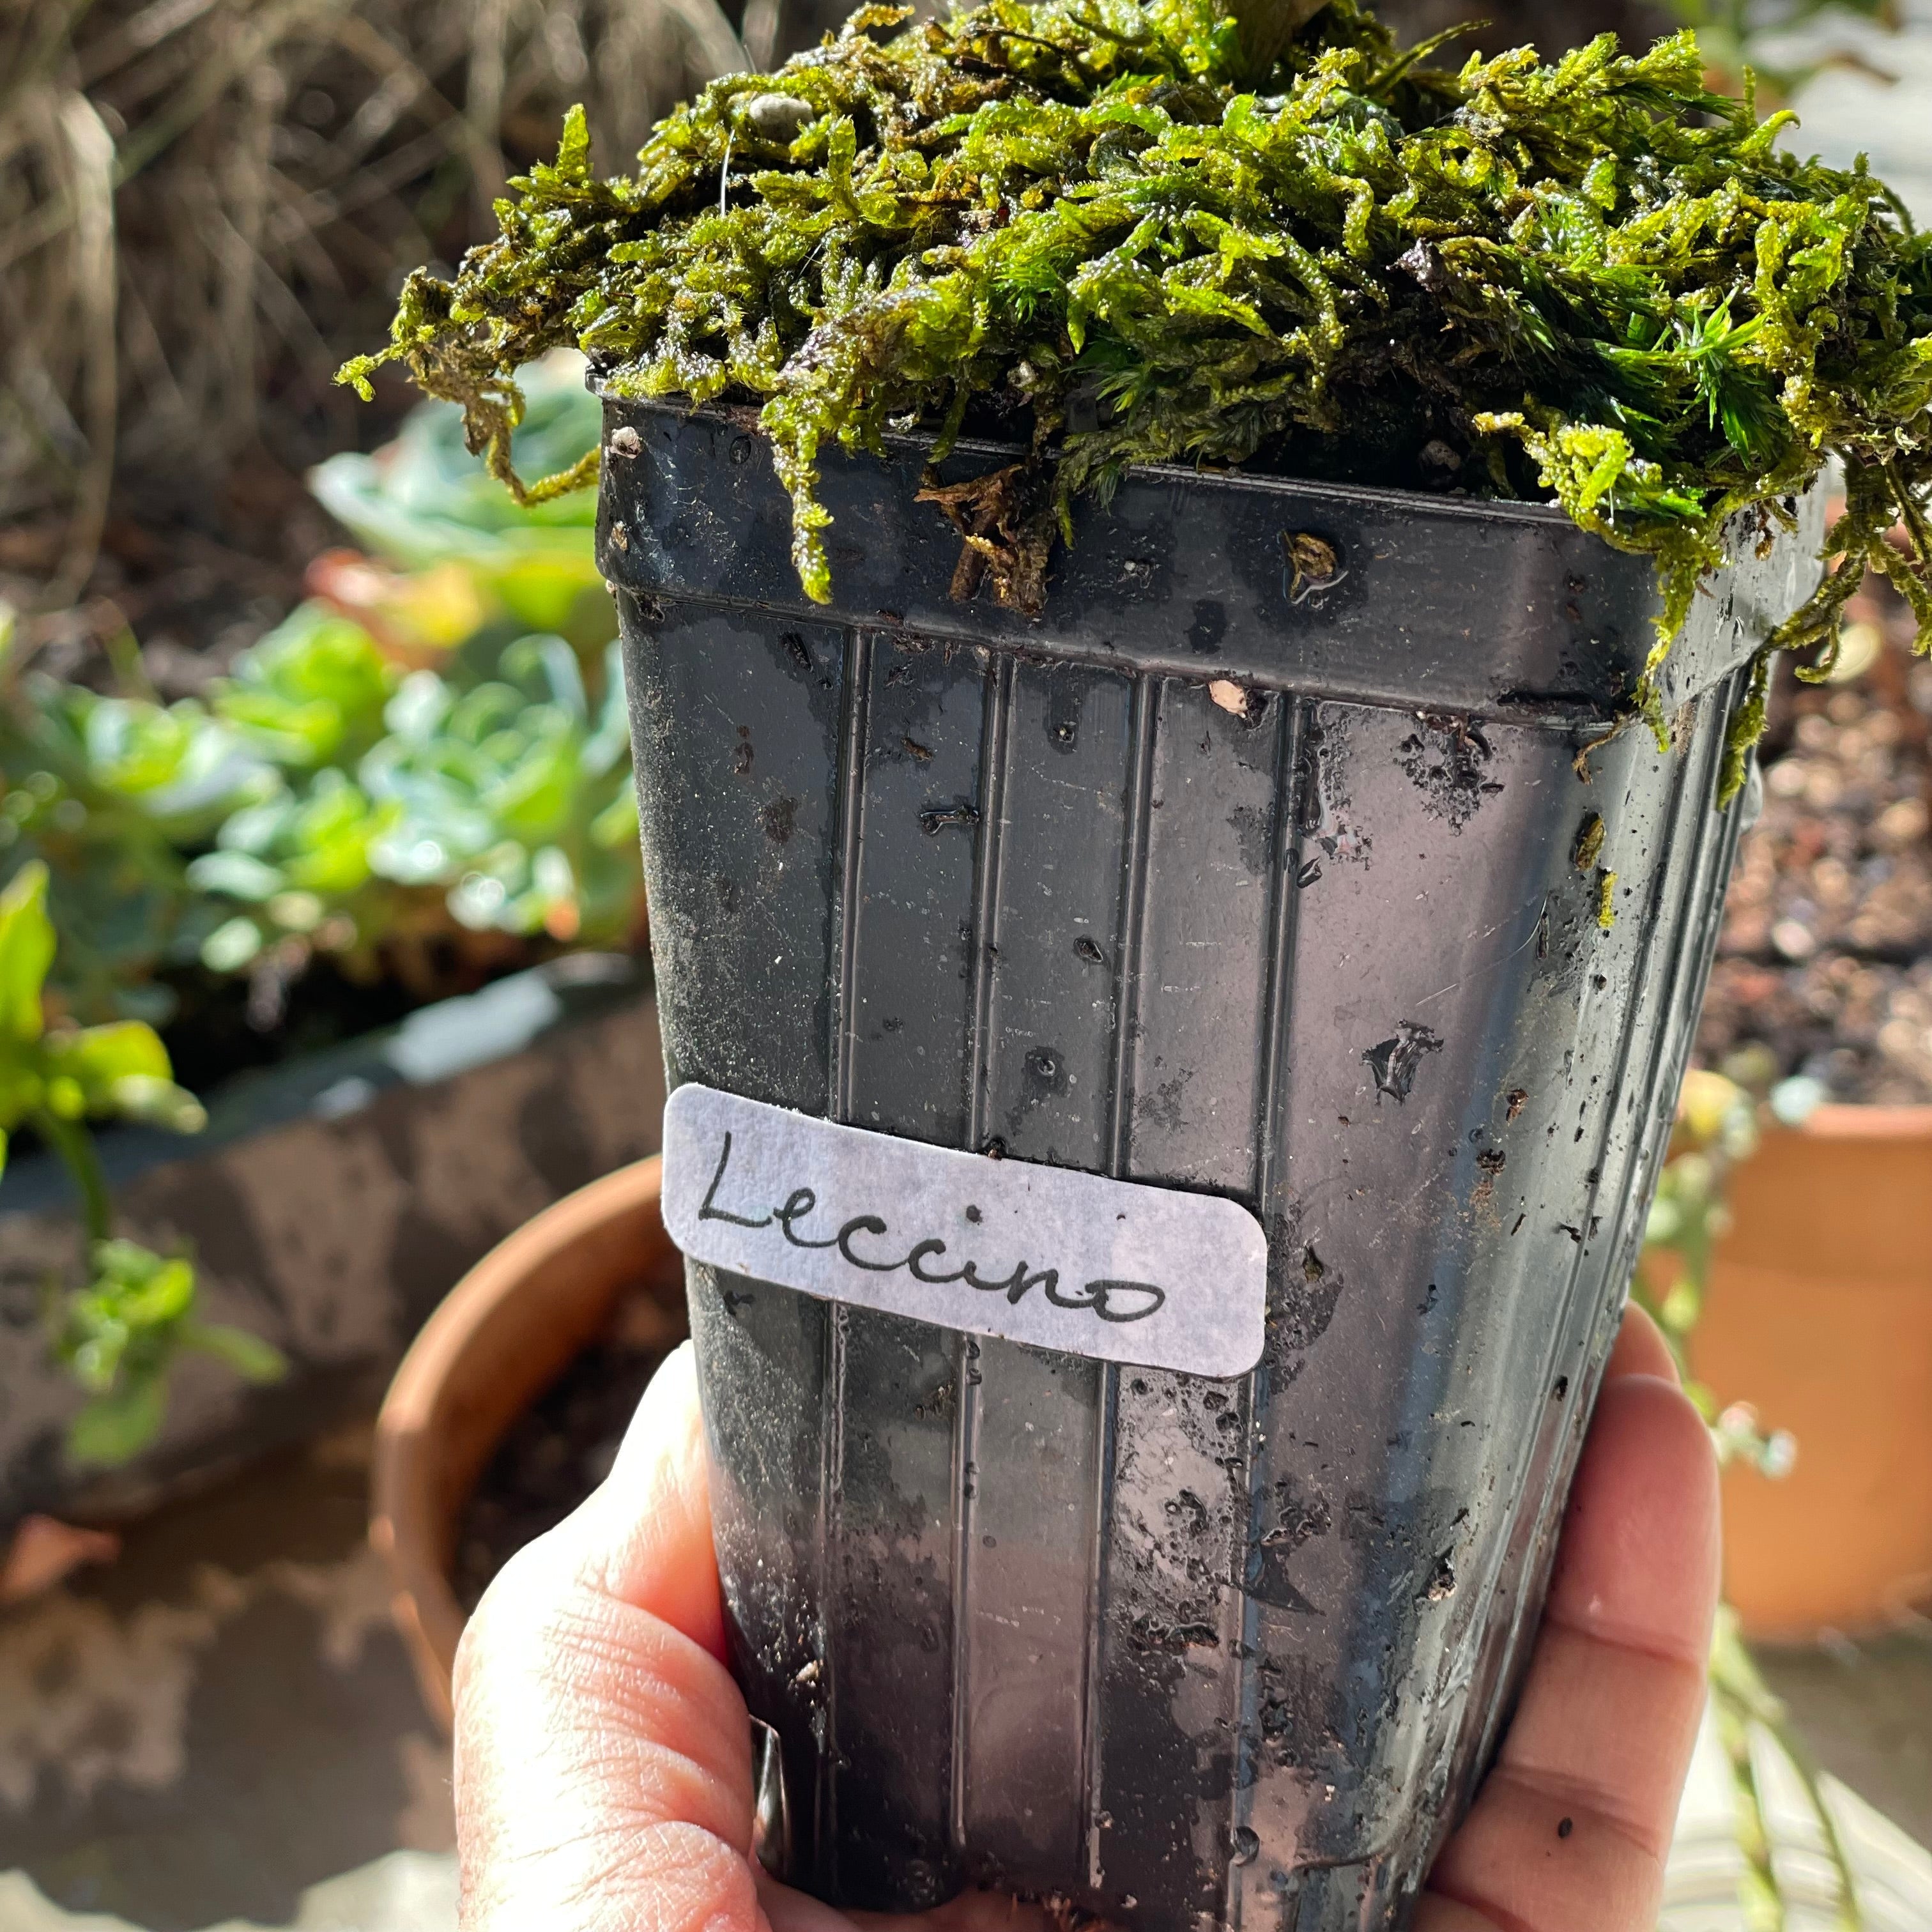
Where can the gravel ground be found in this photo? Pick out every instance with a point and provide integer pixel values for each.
(1825, 961)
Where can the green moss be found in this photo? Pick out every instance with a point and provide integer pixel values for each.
(1130, 233)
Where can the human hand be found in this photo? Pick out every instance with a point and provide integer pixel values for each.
(603, 1753)
(1570, 1830)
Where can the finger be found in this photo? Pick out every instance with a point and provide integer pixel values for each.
(646, 1534)
(1571, 1829)
(603, 1756)
(1641, 1349)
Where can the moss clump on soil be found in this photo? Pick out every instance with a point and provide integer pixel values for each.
(1151, 232)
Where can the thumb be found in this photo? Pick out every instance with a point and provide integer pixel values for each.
(603, 1754)
(644, 1537)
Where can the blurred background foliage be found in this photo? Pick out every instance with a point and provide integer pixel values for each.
(406, 776)
(418, 778)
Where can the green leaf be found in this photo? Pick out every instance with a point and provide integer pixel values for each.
(326, 844)
(98, 1056)
(26, 952)
(422, 703)
(297, 911)
(255, 829)
(114, 1428)
(122, 1069)
(534, 799)
(610, 744)
(312, 689)
(251, 1358)
(175, 767)
(231, 945)
(236, 875)
(562, 675)
(137, 1287)
(158, 1102)
(615, 828)
(546, 589)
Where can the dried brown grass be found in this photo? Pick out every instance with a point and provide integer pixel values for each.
(205, 204)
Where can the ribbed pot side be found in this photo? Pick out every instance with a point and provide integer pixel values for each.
(1188, 1652)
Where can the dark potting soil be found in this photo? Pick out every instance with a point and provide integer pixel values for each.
(222, 1027)
(1825, 965)
(301, 1002)
(560, 1449)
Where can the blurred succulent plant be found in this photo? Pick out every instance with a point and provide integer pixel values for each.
(432, 750)
(485, 803)
(425, 501)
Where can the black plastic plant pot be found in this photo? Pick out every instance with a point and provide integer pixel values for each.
(1261, 868)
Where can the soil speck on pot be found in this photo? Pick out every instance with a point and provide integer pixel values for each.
(1394, 1061)
(1448, 760)
(1490, 1162)
(1253, 828)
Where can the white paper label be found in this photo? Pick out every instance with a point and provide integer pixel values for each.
(1048, 1255)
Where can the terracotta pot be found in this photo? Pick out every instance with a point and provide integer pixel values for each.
(1819, 1314)
(502, 1337)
